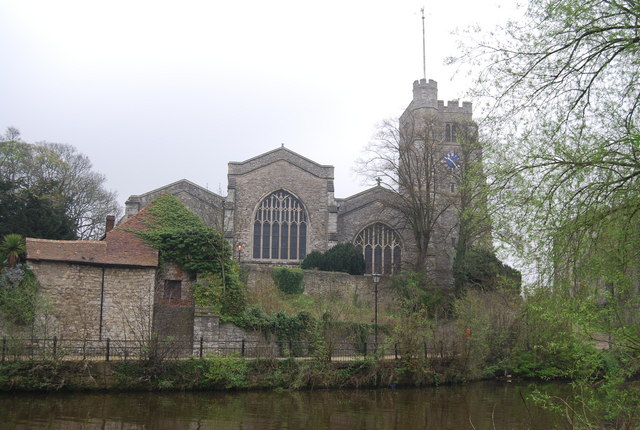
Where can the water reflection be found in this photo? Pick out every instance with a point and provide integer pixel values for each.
(485, 404)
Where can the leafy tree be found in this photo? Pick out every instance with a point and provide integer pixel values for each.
(563, 90)
(58, 176)
(30, 212)
(562, 94)
(480, 269)
(475, 263)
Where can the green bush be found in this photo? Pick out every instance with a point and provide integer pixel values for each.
(313, 260)
(225, 372)
(481, 269)
(18, 295)
(344, 257)
(289, 281)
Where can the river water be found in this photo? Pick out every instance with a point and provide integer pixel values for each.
(481, 405)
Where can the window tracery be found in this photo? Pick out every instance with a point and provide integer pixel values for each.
(280, 228)
(381, 247)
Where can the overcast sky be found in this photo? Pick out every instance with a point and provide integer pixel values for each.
(157, 91)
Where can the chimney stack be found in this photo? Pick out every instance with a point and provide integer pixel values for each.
(111, 222)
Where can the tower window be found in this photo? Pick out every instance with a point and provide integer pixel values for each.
(450, 131)
(280, 228)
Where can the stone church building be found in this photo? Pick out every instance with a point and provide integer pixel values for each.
(280, 205)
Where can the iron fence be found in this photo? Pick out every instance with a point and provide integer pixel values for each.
(13, 349)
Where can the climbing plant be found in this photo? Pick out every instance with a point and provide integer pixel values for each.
(182, 237)
(289, 281)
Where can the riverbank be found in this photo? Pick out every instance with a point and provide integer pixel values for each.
(220, 373)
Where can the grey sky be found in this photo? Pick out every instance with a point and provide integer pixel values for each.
(156, 91)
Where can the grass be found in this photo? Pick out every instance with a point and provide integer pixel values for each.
(272, 300)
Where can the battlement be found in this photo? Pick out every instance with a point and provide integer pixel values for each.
(425, 95)
(419, 82)
(453, 106)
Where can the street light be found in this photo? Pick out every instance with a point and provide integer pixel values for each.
(376, 280)
(239, 247)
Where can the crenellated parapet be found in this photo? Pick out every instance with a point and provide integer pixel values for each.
(453, 107)
(425, 96)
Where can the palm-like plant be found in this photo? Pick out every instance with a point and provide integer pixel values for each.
(13, 247)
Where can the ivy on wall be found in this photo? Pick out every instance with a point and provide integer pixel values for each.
(182, 238)
(289, 281)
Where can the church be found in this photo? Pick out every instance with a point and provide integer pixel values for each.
(280, 206)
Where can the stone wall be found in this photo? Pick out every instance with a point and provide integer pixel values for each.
(355, 289)
(252, 187)
(252, 180)
(207, 205)
(222, 337)
(93, 302)
(173, 316)
(371, 206)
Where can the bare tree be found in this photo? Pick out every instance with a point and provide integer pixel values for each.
(88, 202)
(408, 158)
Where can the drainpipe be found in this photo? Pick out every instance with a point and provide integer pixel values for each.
(101, 303)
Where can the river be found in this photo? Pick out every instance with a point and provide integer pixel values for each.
(480, 405)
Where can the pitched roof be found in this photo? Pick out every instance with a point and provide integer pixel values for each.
(120, 247)
(278, 154)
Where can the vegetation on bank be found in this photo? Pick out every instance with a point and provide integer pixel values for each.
(215, 372)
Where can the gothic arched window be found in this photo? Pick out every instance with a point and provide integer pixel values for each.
(280, 228)
(451, 130)
(381, 247)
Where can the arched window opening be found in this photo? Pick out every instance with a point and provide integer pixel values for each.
(280, 228)
(451, 130)
(380, 245)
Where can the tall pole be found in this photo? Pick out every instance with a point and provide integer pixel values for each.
(424, 51)
(376, 279)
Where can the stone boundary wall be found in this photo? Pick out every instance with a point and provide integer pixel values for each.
(318, 283)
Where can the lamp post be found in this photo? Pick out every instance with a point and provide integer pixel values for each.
(239, 247)
(376, 279)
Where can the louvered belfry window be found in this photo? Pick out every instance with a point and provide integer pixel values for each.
(280, 228)
(381, 247)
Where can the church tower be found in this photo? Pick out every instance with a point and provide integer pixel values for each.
(432, 159)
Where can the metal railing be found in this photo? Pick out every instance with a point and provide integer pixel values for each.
(55, 348)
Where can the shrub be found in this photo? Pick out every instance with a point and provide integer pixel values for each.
(344, 257)
(313, 260)
(289, 281)
(18, 295)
